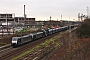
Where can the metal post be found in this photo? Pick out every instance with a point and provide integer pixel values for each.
(87, 12)
(29, 26)
(2, 28)
(61, 17)
(70, 40)
(14, 23)
(78, 16)
(50, 21)
(7, 22)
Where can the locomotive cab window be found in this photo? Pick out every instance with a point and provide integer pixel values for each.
(14, 39)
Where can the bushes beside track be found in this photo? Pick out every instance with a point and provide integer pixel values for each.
(83, 31)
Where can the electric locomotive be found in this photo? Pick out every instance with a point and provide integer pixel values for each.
(16, 41)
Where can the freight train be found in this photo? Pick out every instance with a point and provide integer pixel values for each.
(17, 41)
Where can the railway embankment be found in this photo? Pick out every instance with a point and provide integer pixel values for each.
(76, 45)
(74, 48)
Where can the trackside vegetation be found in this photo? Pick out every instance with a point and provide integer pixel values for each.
(83, 31)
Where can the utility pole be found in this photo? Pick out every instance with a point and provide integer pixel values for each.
(14, 23)
(70, 40)
(50, 21)
(61, 17)
(78, 16)
(7, 22)
(61, 21)
(50, 18)
(82, 17)
(87, 12)
(2, 28)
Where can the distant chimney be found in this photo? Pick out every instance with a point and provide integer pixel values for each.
(24, 11)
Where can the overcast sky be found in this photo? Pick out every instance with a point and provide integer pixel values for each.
(43, 9)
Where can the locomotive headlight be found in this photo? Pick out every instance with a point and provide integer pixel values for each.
(14, 42)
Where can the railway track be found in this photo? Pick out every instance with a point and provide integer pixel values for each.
(47, 57)
(12, 52)
(5, 50)
(39, 54)
(43, 53)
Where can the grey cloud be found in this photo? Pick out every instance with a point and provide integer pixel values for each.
(45, 8)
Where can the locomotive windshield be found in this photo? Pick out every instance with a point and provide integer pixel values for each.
(14, 39)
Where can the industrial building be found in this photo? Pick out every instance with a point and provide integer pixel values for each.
(11, 19)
